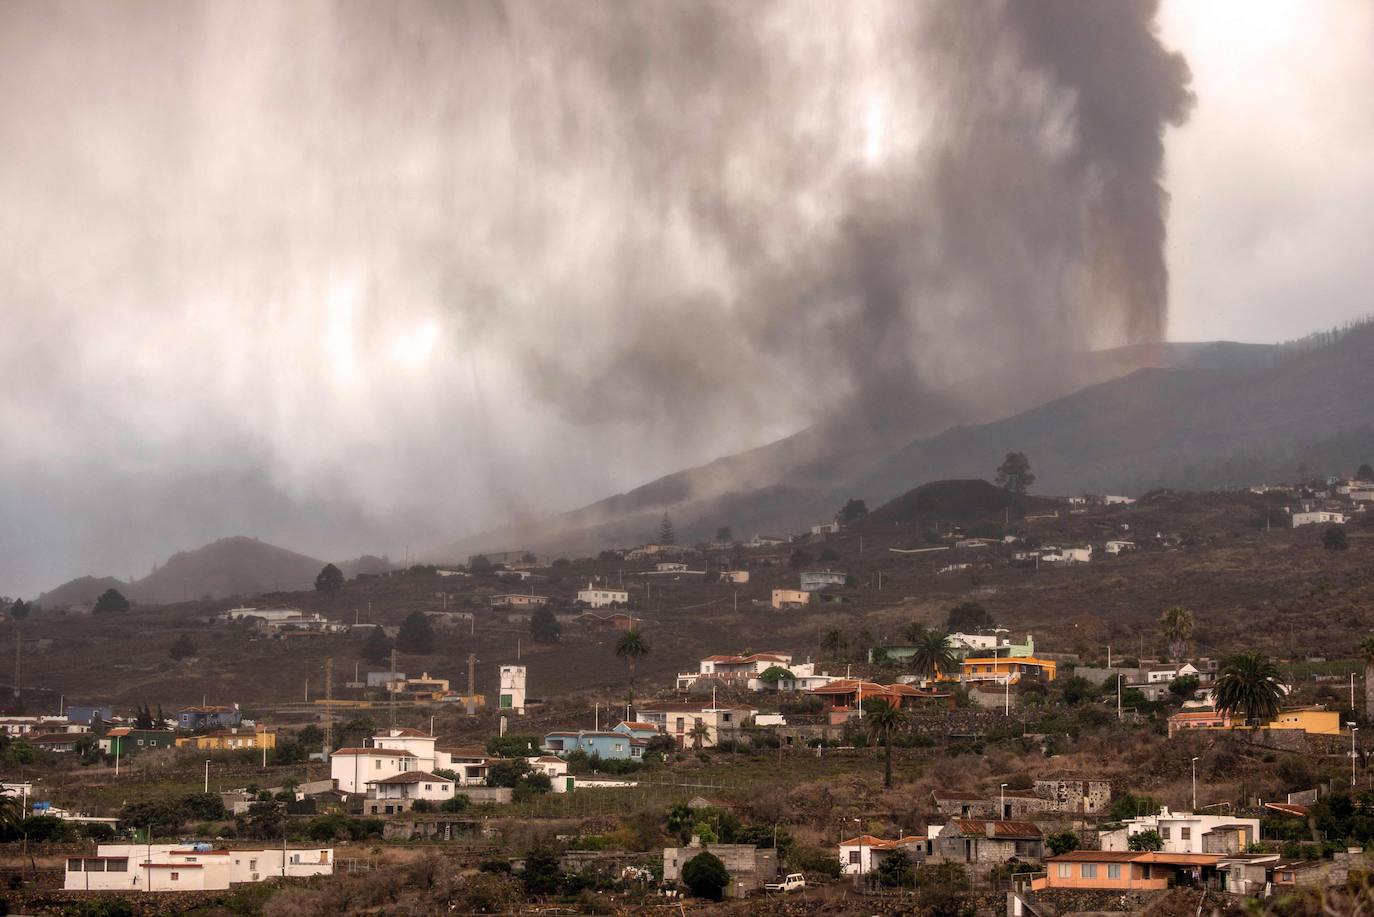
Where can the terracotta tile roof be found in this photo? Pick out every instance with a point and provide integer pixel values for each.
(1000, 829)
(868, 840)
(1095, 856)
(377, 752)
(1288, 808)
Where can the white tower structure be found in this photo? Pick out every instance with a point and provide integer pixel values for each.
(512, 696)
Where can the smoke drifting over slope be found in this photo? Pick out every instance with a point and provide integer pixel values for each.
(420, 266)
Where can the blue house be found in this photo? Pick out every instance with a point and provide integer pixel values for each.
(194, 719)
(607, 745)
(85, 716)
(637, 730)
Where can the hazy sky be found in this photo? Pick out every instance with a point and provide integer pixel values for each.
(351, 276)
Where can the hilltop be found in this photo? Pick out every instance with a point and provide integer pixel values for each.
(228, 567)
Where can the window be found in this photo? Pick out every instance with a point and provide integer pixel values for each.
(1164, 832)
(429, 787)
(1065, 870)
(379, 764)
(854, 857)
(1088, 871)
(73, 866)
(1185, 833)
(176, 876)
(253, 865)
(1113, 870)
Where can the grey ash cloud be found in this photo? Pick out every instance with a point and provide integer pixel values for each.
(378, 273)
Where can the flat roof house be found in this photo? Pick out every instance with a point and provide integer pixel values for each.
(1121, 870)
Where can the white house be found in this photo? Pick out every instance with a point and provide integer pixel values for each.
(826, 528)
(1166, 674)
(556, 769)
(670, 566)
(864, 854)
(1115, 500)
(602, 597)
(470, 764)
(420, 744)
(1069, 555)
(412, 785)
(353, 769)
(734, 576)
(765, 541)
(1120, 547)
(1185, 832)
(1318, 517)
(176, 867)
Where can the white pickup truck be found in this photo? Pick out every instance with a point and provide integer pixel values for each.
(794, 882)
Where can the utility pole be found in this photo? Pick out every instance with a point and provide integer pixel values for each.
(328, 708)
(472, 684)
(1119, 676)
(18, 659)
(392, 687)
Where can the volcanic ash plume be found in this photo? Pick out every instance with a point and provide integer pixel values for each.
(438, 261)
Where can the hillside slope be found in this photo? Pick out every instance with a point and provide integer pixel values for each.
(1187, 427)
(792, 482)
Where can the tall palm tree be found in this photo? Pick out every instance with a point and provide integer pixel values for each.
(1177, 626)
(884, 720)
(1249, 684)
(632, 646)
(934, 655)
(699, 733)
(1367, 650)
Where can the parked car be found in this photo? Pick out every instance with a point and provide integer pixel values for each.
(793, 882)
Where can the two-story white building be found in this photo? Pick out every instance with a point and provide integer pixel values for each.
(352, 769)
(1186, 832)
(602, 596)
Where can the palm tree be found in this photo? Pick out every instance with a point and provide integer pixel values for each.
(934, 655)
(699, 733)
(1250, 684)
(833, 643)
(632, 646)
(11, 810)
(1367, 650)
(1177, 626)
(884, 719)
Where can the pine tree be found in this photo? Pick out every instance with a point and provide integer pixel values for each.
(376, 647)
(666, 535)
(415, 636)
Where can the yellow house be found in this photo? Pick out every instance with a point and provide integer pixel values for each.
(785, 598)
(231, 739)
(1312, 720)
(999, 669)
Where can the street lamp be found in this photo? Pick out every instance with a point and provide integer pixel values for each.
(1002, 810)
(207, 775)
(1194, 765)
(1353, 754)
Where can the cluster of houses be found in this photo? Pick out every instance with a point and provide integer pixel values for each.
(197, 867)
(209, 727)
(982, 831)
